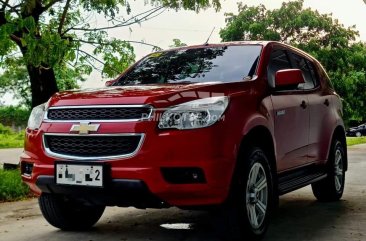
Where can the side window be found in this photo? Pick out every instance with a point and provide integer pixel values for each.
(313, 73)
(308, 71)
(278, 60)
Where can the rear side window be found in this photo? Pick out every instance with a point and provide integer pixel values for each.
(308, 71)
(313, 73)
(279, 60)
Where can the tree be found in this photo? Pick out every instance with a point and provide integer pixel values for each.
(334, 45)
(177, 43)
(15, 80)
(48, 38)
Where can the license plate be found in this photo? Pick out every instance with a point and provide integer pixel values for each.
(79, 174)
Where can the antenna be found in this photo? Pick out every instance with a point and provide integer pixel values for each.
(206, 43)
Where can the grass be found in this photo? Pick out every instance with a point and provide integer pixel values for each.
(356, 140)
(15, 140)
(11, 186)
(10, 138)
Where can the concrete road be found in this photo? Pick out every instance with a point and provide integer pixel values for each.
(10, 155)
(300, 217)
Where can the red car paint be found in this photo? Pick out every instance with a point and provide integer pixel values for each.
(300, 137)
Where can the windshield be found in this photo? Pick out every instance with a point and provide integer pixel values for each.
(224, 64)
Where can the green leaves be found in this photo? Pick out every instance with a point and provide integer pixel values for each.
(48, 50)
(177, 43)
(117, 56)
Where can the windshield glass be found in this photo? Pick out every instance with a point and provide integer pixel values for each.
(224, 64)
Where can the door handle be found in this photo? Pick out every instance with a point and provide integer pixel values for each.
(303, 104)
(326, 102)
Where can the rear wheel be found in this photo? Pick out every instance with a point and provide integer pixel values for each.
(358, 134)
(245, 216)
(331, 188)
(67, 214)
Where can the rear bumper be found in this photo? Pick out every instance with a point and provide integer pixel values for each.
(349, 133)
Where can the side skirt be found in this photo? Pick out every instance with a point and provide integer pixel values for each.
(301, 177)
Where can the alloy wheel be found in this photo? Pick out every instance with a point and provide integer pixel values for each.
(338, 170)
(257, 195)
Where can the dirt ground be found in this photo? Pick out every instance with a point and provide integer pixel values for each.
(300, 217)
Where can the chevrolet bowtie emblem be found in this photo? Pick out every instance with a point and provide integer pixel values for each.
(84, 128)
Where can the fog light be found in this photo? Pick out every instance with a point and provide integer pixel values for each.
(27, 168)
(183, 175)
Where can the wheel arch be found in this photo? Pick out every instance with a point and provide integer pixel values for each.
(261, 137)
(340, 134)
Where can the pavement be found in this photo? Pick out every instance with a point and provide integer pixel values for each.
(300, 217)
(10, 155)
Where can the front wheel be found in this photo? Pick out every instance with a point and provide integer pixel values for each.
(358, 134)
(67, 214)
(331, 188)
(245, 216)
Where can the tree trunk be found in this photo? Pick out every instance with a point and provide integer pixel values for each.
(43, 84)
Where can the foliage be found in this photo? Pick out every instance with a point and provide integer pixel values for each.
(15, 80)
(57, 36)
(334, 45)
(12, 141)
(177, 43)
(11, 186)
(14, 116)
(10, 138)
(5, 130)
(351, 141)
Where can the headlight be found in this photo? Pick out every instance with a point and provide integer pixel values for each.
(194, 114)
(36, 117)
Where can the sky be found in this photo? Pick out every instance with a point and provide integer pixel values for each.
(193, 28)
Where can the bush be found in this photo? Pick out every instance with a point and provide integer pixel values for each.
(11, 186)
(10, 138)
(14, 116)
(5, 130)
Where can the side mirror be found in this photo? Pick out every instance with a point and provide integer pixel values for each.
(289, 77)
(109, 82)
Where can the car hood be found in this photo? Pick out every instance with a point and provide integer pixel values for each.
(158, 95)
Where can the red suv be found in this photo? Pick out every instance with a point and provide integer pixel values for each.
(230, 126)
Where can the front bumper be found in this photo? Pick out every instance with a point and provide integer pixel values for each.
(117, 192)
(205, 149)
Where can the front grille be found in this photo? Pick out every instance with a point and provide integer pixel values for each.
(91, 146)
(98, 113)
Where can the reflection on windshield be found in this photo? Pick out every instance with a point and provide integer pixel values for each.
(224, 64)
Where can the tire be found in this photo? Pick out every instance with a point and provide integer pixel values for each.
(67, 214)
(246, 214)
(358, 134)
(331, 188)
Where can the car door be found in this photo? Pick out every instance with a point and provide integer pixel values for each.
(291, 112)
(320, 110)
